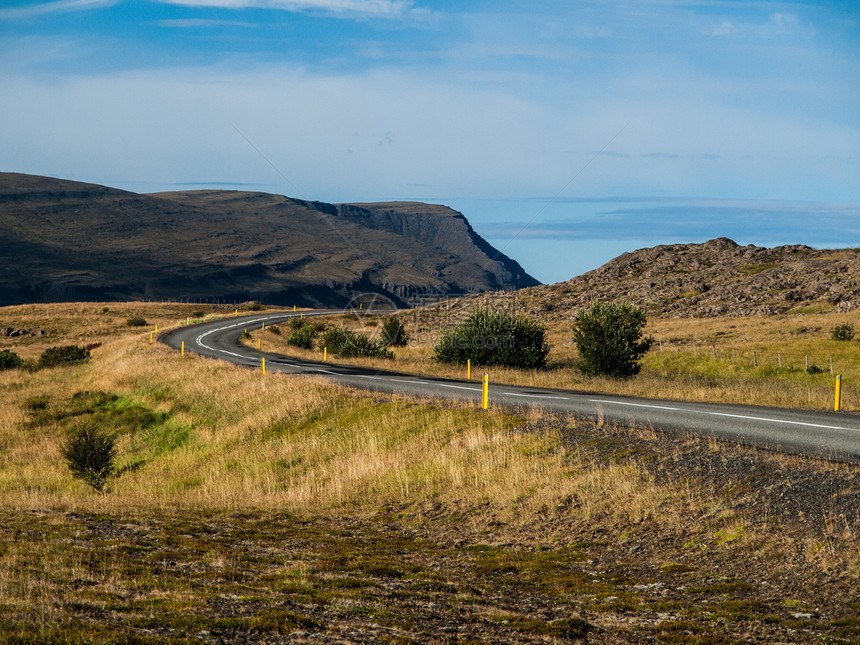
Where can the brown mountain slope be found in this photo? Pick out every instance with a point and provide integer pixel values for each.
(71, 241)
(717, 278)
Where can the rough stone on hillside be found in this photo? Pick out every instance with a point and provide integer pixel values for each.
(717, 278)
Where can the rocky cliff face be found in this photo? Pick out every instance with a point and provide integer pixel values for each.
(72, 241)
(717, 278)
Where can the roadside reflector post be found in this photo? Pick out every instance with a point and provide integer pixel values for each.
(469, 369)
(838, 403)
(156, 328)
(182, 349)
(237, 313)
(263, 328)
(294, 307)
(263, 365)
(325, 354)
(260, 343)
(485, 392)
(301, 316)
(150, 338)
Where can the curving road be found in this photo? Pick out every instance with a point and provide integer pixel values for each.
(830, 435)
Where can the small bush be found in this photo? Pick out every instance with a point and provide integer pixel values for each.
(246, 335)
(494, 338)
(198, 313)
(393, 333)
(610, 340)
(90, 455)
(814, 369)
(63, 355)
(136, 321)
(347, 344)
(843, 332)
(255, 306)
(10, 360)
(303, 337)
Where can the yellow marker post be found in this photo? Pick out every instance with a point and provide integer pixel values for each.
(294, 307)
(260, 343)
(360, 305)
(838, 403)
(325, 353)
(485, 391)
(150, 338)
(469, 369)
(263, 365)
(156, 328)
(237, 313)
(263, 328)
(301, 316)
(182, 349)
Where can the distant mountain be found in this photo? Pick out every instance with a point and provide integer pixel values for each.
(67, 241)
(717, 278)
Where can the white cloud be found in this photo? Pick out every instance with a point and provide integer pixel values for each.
(61, 6)
(376, 8)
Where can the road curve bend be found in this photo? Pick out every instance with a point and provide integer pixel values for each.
(828, 435)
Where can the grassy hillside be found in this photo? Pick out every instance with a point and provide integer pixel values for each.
(263, 508)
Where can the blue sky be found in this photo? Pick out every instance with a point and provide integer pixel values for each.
(567, 132)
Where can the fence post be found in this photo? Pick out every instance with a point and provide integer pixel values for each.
(755, 359)
(714, 350)
(779, 359)
(831, 365)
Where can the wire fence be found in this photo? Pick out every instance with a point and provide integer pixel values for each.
(815, 363)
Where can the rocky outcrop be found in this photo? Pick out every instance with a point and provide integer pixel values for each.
(717, 278)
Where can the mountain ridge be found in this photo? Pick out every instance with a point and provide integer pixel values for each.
(72, 240)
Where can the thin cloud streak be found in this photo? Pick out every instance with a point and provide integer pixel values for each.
(61, 6)
(376, 8)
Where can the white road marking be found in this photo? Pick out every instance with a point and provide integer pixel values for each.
(726, 414)
(460, 387)
(536, 396)
(404, 380)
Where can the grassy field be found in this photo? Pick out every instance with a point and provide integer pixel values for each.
(274, 508)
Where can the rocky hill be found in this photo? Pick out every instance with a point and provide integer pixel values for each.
(717, 278)
(65, 241)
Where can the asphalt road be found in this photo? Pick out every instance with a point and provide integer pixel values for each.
(830, 435)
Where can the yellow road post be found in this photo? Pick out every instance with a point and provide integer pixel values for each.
(182, 349)
(469, 369)
(325, 354)
(150, 338)
(485, 391)
(263, 365)
(838, 403)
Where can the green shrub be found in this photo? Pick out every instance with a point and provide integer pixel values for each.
(10, 360)
(302, 336)
(90, 454)
(346, 344)
(610, 340)
(64, 355)
(136, 321)
(255, 306)
(393, 333)
(814, 369)
(843, 332)
(198, 313)
(494, 338)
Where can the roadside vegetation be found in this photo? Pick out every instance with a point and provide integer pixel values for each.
(782, 361)
(238, 506)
